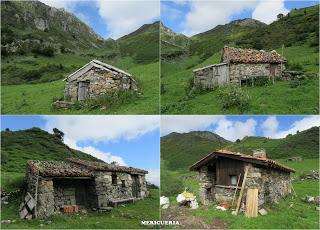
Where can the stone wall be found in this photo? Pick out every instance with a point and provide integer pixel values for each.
(239, 71)
(45, 204)
(101, 82)
(206, 184)
(211, 76)
(143, 189)
(272, 185)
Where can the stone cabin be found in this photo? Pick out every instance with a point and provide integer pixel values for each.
(219, 172)
(238, 66)
(294, 159)
(95, 79)
(85, 184)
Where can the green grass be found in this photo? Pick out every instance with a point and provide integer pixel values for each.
(37, 98)
(279, 98)
(280, 216)
(127, 217)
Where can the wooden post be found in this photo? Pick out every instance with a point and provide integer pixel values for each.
(235, 193)
(36, 197)
(242, 189)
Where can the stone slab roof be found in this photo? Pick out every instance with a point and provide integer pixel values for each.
(96, 64)
(76, 168)
(238, 55)
(102, 166)
(58, 169)
(242, 157)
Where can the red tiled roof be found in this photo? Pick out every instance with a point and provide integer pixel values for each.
(244, 157)
(238, 55)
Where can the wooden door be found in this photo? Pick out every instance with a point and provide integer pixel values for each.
(83, 90)
(273, 68)
(81, 193)
(135, 186)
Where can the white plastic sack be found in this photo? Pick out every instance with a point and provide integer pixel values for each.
(181, 199)
(194, 204)
(164, 202)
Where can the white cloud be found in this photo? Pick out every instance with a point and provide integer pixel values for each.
(182, 124)
(303, 124)
(123, 17)
(101, 129)
(59, 4)
(105, 156)
(205, 15)
(228, 129)
(270, 126)
(153, 176)
(267, 11)
(233, 130)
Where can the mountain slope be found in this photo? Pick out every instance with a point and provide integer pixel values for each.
(142, 44)
(179, 151)
(305, 144)
(33, 144)
(30, 23)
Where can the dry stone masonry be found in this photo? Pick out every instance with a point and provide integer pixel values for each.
(96, 79)
(218, 170)
(238, 65)
(84, 184)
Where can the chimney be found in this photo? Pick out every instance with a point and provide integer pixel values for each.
(259, 153)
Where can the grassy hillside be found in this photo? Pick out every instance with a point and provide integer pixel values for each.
(33, 144)
(205, 49)
(179, 151)
(35, 60)
(37, 98)
(290, 213)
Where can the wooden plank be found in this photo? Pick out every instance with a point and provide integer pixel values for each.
(252, 202)
(31, 204)
(235, 192)
(242, 189)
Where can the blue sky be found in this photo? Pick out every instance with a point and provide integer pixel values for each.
(111, 18)
(237, 127)
(192, 17)
(130, 140)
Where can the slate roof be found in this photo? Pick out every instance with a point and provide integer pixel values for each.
(242, 157)
(96, 64)
(102, 166)
(76, 168)
(238, 55)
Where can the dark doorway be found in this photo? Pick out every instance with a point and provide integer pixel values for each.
(83, 90)
(273, 68)
(135, 186)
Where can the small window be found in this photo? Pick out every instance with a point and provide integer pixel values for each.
(123, 183)
(114, 179)
(233, 179)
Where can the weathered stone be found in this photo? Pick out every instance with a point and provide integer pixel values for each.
(263, 212)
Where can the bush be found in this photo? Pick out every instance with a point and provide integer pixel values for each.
(170, 185)
(47, 51)
(294, 66)
(295, 84)
(232, 96)
(110, 100)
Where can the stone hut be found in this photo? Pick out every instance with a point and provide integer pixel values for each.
(95, 79)
(294, 159)
(219, 173)
(238, 66)
(57, 185)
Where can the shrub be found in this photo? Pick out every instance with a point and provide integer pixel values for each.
(294, 66)
(295, 84)
(31, 75)
(170, 185)
(44, 51)
(110, 100)
(232, 96)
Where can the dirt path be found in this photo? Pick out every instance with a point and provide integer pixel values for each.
(186, 220)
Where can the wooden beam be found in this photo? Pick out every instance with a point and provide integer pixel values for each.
(242, 189)
(235, 192)
(252, 202)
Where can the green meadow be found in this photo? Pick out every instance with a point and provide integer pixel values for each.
(37, 97)
(277, 98)
(290, 213)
